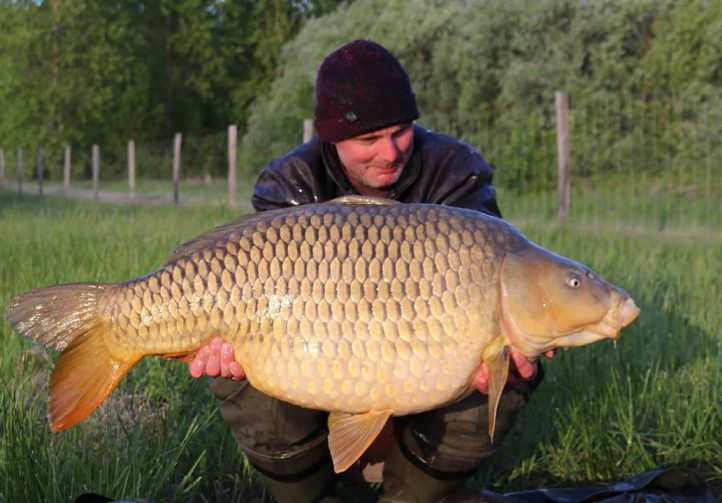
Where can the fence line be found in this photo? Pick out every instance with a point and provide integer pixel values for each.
(621, 159)
(105, 163)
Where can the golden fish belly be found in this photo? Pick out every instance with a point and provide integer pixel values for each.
(338, 308)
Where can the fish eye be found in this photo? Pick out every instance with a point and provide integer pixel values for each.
(574, 281)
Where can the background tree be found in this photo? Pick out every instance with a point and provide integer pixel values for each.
(22, 97)
(85, 72)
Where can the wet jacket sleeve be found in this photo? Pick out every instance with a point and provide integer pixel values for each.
(466, 181)
(283, 183)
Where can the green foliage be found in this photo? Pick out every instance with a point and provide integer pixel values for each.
(73, 72)
(487, 71)
(83, 72)
(21, 99)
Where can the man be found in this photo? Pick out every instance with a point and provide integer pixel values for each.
(368, 144)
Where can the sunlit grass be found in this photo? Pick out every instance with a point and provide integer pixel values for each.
(602, 413)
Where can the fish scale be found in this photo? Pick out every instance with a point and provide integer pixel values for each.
(362, 307)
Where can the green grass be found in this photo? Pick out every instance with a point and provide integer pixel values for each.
(602, 413)
(627, 210)
(159, 435)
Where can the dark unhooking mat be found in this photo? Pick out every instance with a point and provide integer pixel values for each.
(670, 485)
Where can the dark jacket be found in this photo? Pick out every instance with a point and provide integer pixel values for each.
(441, 170)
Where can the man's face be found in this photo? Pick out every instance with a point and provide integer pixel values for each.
(374, 161)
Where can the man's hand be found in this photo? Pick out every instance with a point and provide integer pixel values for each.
(522, 369)
(216, 359)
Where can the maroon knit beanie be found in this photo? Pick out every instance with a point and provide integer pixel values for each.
(361, 87)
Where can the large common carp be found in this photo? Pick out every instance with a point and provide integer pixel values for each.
(363, 307)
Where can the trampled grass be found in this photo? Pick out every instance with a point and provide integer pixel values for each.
(602, 413)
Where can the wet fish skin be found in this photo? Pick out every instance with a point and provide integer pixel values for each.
(362, 307)
(343, 310)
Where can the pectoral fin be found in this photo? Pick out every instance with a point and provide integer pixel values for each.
(497, 357)
(349, 435)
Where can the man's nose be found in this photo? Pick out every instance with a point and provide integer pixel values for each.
(388, 150)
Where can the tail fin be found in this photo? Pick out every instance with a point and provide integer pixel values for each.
(65, 317)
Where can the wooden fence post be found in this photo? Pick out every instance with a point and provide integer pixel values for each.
(41, 170)
(307, 130)
(20, 170)
(232, 149)
(563, 182)
(2, 169)
(66, 170)
(96, 170)
(176, 164)
(131, 169)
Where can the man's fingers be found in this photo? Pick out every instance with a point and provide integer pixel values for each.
(549, 354)
(522, 369)
(226, 359)
(197, 367)
(525, 368)
(216, 359)
(481, 380)
(213, 367)
(236, 370)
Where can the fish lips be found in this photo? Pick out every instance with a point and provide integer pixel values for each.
(616, 319)
(609, 327)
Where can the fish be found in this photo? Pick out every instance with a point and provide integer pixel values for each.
(363, 307)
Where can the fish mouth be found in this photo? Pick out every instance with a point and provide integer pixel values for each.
(615, 320)
(609, 327)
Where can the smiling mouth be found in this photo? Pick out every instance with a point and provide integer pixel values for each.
(390, 167)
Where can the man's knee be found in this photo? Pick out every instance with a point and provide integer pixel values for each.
(453, 441)
(279, 439)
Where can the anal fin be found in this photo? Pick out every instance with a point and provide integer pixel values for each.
(349, 435)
